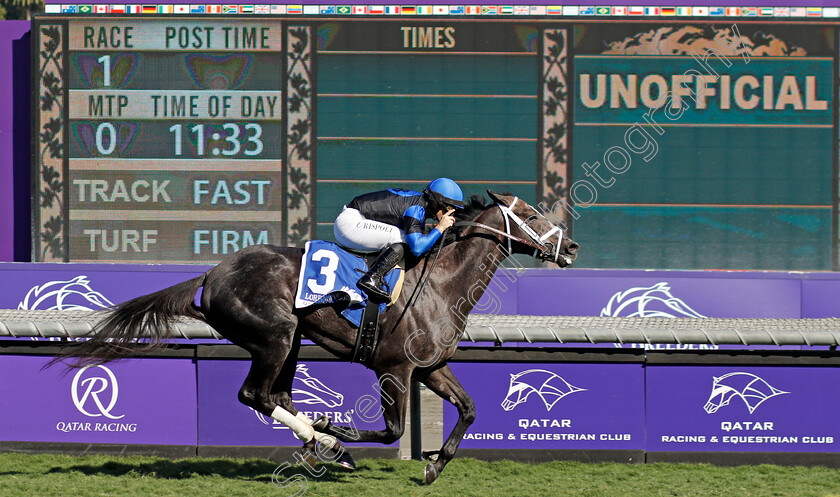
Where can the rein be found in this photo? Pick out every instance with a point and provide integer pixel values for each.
(502, 233)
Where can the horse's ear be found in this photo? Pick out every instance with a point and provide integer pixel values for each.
(496, 198)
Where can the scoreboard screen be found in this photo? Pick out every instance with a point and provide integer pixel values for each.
(659, 143)
(172, 135)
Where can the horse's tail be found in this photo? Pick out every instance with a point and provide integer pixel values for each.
(118, 334)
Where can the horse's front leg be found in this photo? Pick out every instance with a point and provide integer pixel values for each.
(394, 396)
(443, 382)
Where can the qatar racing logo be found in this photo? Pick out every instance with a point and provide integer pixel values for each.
(752, 389)
(309, 390)
(548, 386)
(648, 302)
(70, 295)
(88, 393)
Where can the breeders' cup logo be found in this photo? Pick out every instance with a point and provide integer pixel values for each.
(750, 388)
(95, 393)
(70, 295)
(648, 302)
(548, 386)
(309, 390)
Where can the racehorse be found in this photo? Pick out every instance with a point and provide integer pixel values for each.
(249, 299)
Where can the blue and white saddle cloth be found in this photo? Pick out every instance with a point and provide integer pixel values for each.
(328, 273)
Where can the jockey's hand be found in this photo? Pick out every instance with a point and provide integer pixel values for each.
(446, 221)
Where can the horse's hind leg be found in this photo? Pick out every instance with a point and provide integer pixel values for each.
(281, 394)
(443, 382)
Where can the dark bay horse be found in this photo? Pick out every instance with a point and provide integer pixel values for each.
(249, 299)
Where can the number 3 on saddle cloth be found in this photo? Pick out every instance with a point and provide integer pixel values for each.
(328, 276)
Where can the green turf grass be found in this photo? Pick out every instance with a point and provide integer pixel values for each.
(106, 476)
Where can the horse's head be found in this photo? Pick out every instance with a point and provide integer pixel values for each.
(70, 295)
(752, 389)
(310, 390)
(532, 233)
(518, 393)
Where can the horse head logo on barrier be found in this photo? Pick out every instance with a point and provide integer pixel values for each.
(752, 389)
(308, 389)
(90, 388)
(548, 386)
(648, 302)
(70, 295)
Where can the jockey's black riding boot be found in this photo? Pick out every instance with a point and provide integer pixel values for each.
(373, 281)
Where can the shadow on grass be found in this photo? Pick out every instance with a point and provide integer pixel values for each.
(253, 470)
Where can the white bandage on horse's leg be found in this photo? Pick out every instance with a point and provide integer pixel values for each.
(303, 431)
(322, 438)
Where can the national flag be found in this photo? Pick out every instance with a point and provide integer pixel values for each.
(424, 10)
(230, 9)
(440, 10)
(506, 10)
(194, 9)
(214, 9)
(376, 9)
(359, 10)
(52, 8)
(521, 10)
(262, 9)
(456, 10)
(246, 9)
(765, 11)
(344, 9)
(117, 9)
(636, 11)
(537, 10)
(668, 11)
(797, 11)
(489, 10)
(554, 10)
(150, 9)
(68, 9)
(814, 11)
(619, 11)
(651, 11)
(278, 9)
(294, 9)
(408, 10)
(700, 11)
(472, 10)
(831, 12)
(181, 9)
(588, 10)
(602, 11)
(133, 9)
(733, 12)
(100, 9)
(781, 11)
(392, 10)
(683, 11)
(749, 11)
(85, 9)
(165, 9)
(310, 10)
(717, 11)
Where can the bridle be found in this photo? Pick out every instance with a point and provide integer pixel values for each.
(540, 244)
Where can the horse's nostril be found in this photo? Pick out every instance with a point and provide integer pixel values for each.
(573, 248)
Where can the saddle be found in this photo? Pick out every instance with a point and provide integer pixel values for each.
(328, 276)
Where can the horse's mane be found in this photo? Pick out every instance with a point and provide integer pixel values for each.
(472, 208)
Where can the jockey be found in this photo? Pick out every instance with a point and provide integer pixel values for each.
(385, 220)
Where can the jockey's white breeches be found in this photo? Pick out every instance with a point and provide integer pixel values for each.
(352, 230)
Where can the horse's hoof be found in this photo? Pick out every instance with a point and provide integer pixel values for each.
(346, 461)
(321, 424)
(431, 473)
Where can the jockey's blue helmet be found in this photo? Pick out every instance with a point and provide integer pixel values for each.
(444, 191)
